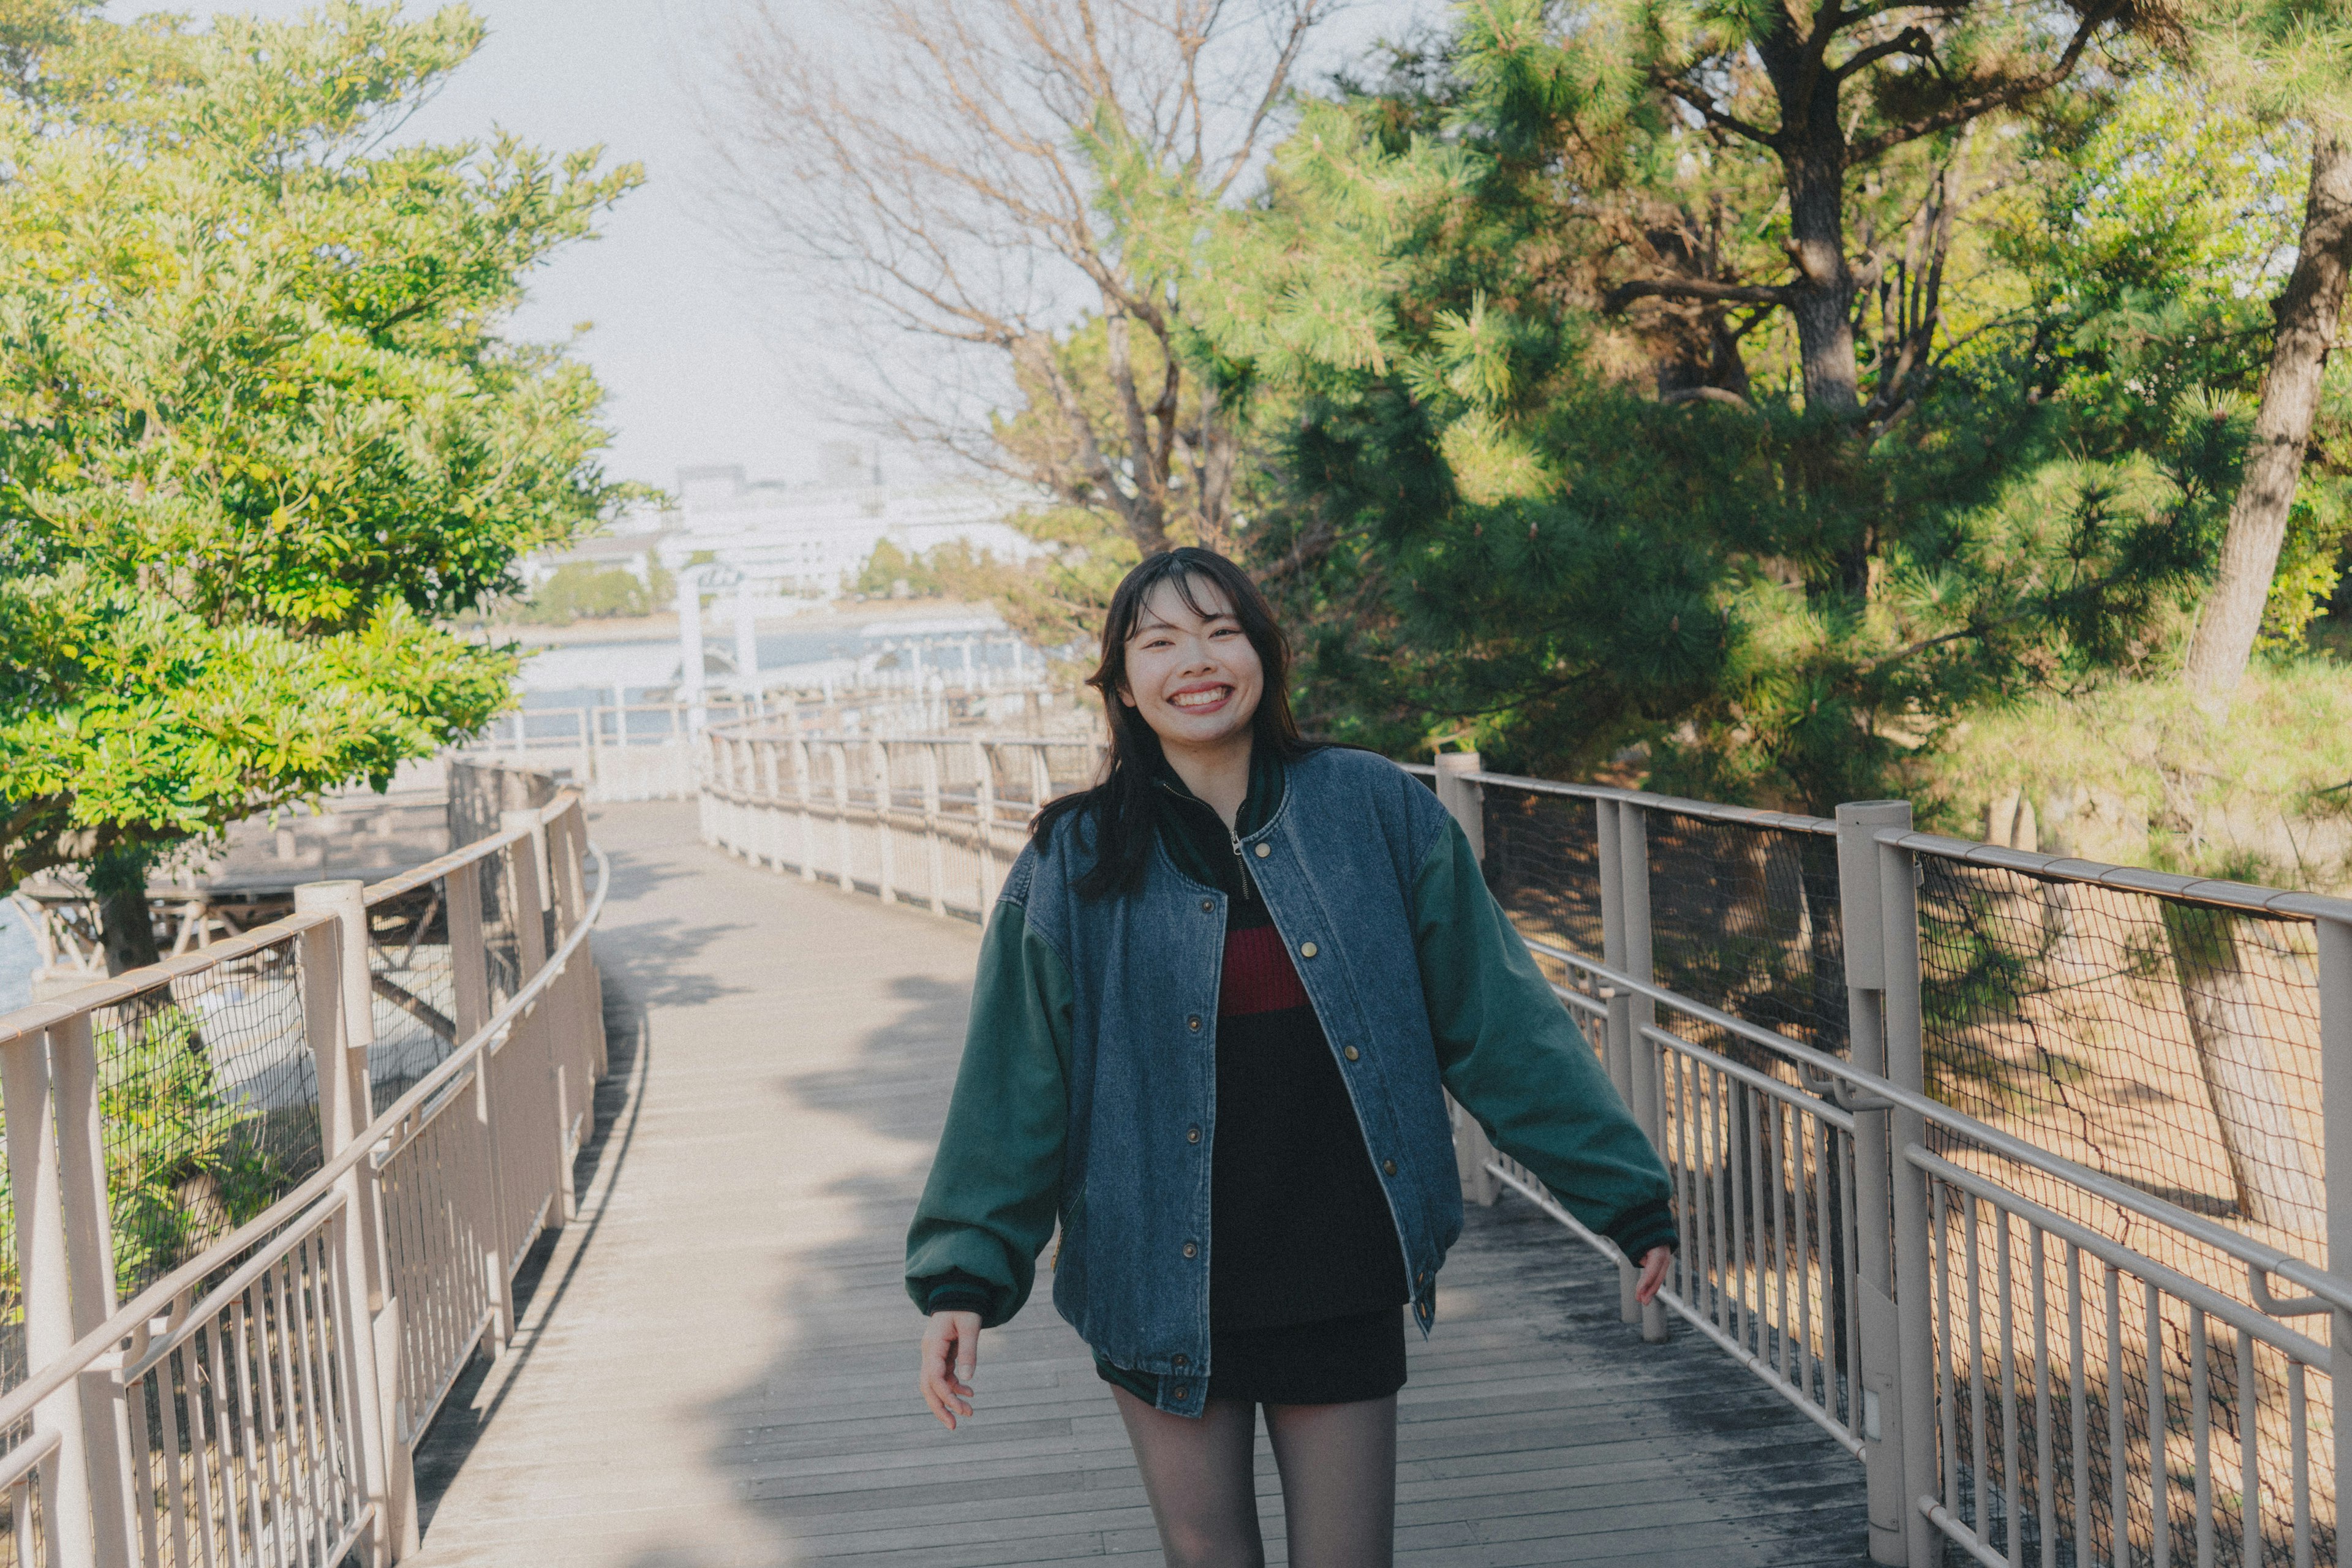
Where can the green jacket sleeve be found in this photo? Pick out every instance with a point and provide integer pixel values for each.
(995, 1184)
(1515, 1059)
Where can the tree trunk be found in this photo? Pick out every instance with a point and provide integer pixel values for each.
(1813, 150)
(2308, 312)
(126, 926)
(2275, 1174)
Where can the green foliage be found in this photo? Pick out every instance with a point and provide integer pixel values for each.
(580, 590)
(891, 572)
(258, 430)
(1517, 503)
(2137, 773)
(170, 1126)
(184, 1162)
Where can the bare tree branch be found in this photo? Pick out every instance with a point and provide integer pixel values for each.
(1705, 103)
(934, 178)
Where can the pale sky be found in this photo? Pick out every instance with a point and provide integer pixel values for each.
(681, 338)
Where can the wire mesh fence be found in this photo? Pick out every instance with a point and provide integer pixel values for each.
(1746, 918)
(2170, 1045)
(413, 986)
(208, 1105)
(501, 934)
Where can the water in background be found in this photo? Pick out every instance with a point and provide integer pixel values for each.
(18, 957)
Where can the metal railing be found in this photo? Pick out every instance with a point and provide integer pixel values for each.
(935, 820)
(1996, 1164)
(313, 1158)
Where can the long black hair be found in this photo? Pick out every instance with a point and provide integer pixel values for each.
(1123, 813)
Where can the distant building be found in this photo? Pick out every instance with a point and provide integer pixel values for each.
(798, 543)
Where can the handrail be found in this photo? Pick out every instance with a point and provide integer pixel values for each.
(19, 1401)
(434, 870)
(2336, 1292)
(25, 1456)
(2207, 890)
(99, 993)
(1711, 811)
(966, 739)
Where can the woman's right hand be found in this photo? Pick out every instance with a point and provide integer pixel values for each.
(951, 1355)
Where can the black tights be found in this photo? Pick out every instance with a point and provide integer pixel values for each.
(1338, 1480)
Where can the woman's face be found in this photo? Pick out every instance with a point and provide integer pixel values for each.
(1193, 677)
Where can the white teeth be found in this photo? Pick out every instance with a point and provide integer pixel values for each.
(1202, 698)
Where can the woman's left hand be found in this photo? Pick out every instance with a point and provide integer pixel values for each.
(1654, 1264)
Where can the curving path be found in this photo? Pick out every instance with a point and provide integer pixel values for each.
(714, 1368)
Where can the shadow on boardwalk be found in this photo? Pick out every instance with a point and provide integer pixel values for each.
(716, 1367)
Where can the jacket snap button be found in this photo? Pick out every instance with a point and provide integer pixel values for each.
(1306, 950)
(1193, 1135)
(1179, 1362)
(1350, 1053)
(1208, 906)
(1183, 1391)
(1193, 1023)
(1390, 1166)
(1264, 851)
(1191, 1249)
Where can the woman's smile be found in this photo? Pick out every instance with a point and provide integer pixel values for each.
(1200, 698)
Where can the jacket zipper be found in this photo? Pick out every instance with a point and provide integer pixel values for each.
(1240, 860)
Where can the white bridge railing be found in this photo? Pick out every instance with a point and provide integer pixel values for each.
(930, 820)
(313, 1158)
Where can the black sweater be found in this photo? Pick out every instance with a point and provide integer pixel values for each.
(1300, 1226)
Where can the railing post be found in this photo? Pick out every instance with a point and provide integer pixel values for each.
(469, 985)
(45, 1285)
(1616, 1045)
(931, 828)
(90, 1261)
(1873, 1274)
(886, 860)
(528, 859)
(1641, 1012)
(772, 817)
(1041, 780)
(2335, 938)
(338, 1016)
(804, 792)
(1914, 1417)
(841, 813)
(1463, 799)
(984, 804)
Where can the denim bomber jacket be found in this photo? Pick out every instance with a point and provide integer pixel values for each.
(1091, 1058)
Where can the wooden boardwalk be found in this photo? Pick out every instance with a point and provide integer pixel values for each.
(716, 1364)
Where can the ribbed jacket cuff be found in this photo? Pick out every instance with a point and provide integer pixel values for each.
(957, 1292)
(1644, 1226)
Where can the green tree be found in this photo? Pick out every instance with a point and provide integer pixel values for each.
(260, 431)
(1773, 444)
(2282, 58)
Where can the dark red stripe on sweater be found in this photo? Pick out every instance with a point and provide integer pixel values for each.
(1258, 976)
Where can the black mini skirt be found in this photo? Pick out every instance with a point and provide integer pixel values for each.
(1339, 1361)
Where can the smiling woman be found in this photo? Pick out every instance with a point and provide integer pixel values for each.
(1221, 1003)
